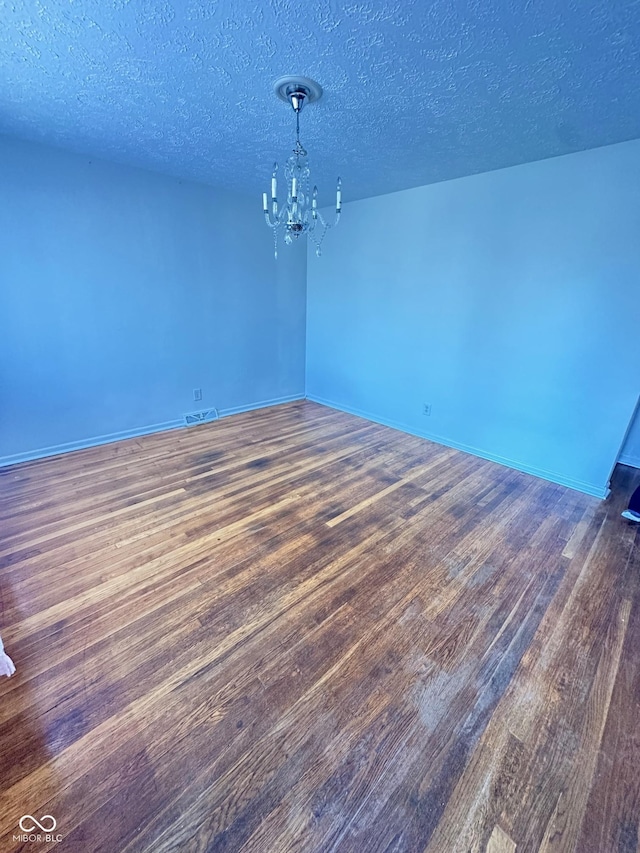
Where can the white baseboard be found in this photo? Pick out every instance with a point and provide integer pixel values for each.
(149, 429)
(596, 491)
(627, 459)
(275, 401)
(94, 441)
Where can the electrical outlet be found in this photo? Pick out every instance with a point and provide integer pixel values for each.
(197, 394)
(426, 410)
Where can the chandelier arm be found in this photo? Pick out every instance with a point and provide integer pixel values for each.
(283, 214)
(324, 222)
(278, 214)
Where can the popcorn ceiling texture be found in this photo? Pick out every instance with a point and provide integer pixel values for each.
(416, 91)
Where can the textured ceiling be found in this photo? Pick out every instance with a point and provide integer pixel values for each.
(415, 91)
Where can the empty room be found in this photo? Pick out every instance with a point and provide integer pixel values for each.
(320, 426)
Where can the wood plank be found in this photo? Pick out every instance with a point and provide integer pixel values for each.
(565, 823)
(499, 842)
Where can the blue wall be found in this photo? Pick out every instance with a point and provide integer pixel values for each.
(509, 301)
(123, 290)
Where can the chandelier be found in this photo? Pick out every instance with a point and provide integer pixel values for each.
(299, 214)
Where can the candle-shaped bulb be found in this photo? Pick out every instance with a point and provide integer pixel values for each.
(339, 195)
(294, 188)
(274, 184)
(265, 203)
(314, 202)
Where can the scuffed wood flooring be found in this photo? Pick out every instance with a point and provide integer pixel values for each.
(295, 630)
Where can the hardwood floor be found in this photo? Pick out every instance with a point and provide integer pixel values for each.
(294, 630)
